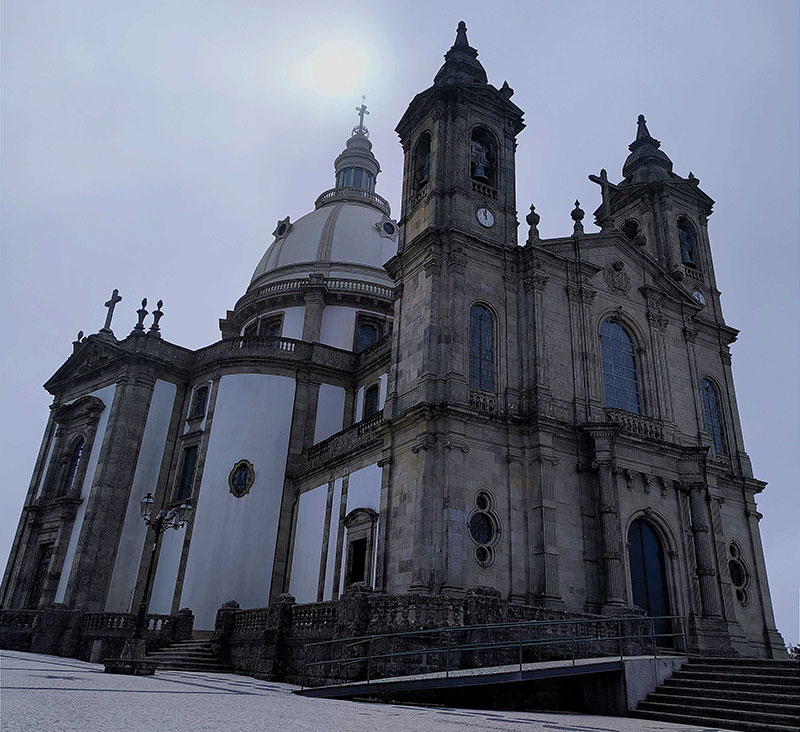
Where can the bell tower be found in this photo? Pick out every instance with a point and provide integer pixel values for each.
(459, 138)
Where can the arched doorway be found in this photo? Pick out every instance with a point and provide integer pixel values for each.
(649, 576)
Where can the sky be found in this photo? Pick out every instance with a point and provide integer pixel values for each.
(152, 147)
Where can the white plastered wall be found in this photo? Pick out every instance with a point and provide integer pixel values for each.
(169, 557)
(330, 566)
(330, 412)
(106, 395)
(307, 552)
(233, 539)
(145, 478)
(338, 325)
(293, 322)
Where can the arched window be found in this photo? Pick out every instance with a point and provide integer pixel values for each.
(72, 467)
(619, 368)
(687, 237)
(371, 400)
(711, 415)
(200, 400)
(422, 161)
(187, 473)
(483, 156)
(481, 348)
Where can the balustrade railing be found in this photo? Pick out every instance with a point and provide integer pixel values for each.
(342, 443)
(636, 424)
(483, 401)
(353, 194)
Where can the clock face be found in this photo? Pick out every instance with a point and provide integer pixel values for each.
(697, 295)
(485, 217)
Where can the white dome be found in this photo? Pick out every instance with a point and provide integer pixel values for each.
(334, 237)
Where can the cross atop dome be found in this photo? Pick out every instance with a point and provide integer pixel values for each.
(360, 129)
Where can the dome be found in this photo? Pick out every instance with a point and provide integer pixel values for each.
(348, 234)
(340, 233)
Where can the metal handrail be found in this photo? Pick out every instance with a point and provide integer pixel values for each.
(574, 639)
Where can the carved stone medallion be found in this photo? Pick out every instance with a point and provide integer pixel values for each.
(616, 278)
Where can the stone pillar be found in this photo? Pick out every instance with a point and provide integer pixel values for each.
(314, 296)
(703, 548)
(545, 582)
(612, 546)
(108, 500)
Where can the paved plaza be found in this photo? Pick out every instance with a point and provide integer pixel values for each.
(51, 694)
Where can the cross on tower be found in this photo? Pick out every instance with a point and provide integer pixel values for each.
(111, 304)
(605, 187)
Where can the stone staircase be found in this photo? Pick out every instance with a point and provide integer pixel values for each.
(751, 694)
(189, 655)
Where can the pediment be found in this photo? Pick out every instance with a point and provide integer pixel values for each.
(91, 357)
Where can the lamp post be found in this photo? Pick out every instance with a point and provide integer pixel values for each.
(175, 518)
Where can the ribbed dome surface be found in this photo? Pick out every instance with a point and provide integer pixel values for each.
(342, 232)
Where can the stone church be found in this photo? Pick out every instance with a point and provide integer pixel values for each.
(424, 405)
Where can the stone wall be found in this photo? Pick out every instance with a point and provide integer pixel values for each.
(273, 642)
(59, 631)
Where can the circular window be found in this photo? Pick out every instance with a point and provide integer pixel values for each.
(282, 229)
(480, 528)
(482, 555)
(734, 550)
(482, 501)
(388, 227)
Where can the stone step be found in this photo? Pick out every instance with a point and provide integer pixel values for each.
(182, 652)
(723, 692)
(746, 669)
(690, 675)
(209, 668)
(696, 720)
(716, 661)
(722, 714)
(731, 685)
(787, 707)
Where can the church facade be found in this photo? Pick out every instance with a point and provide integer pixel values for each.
(424, 405)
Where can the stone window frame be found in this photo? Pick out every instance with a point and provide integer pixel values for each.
(78, 420)
(251, 479)
(496, 370)
(494, 178)
(418, 181)
(376, 386)
(360, 523)
(368, 319)
(194, 413)
(641, 361)
(721, 416)
(484, 505)
(176, 488)
(696, 264)
(272, 318)
(740, 591)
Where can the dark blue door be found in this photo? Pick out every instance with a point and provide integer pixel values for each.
(649, 576)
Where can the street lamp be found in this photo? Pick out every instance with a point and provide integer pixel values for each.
(175, 518)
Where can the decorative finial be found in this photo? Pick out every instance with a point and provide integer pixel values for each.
(577, 216)
(157, 315)
(533, 219)
(76, 344)
(360, 129)
(461, 34)
(506, 90)
(142, 313)
(641, 127)
(693, 180)
(110, 304)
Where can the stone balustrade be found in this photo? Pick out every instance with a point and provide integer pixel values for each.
(376, 351)
(636, 424)
(353, 194)
(344, 443)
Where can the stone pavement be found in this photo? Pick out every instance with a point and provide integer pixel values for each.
(51, 694)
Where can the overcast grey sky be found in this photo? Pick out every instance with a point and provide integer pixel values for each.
(151, 146)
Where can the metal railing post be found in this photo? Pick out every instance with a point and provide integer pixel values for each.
(369, 659)
(303, 676)
(619, 639)
(653, 636)
(573, 643)
(447, 654)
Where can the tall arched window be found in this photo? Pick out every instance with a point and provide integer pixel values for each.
(481, 348)
(72, 467)
(422, 161)
(483, 156)
(687, 237)
(712, 422)
(619, 368)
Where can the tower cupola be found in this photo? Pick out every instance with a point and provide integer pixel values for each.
(646, 163)
(461, 65)
(356, 166)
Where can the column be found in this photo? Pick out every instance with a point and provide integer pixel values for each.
(703, 547)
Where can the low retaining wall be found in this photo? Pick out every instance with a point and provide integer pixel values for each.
(58, 631)
(270, 642)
